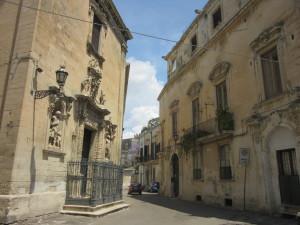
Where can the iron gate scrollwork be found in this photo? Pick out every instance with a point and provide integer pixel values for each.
(93, 183)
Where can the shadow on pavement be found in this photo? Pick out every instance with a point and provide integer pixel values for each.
(201, 210)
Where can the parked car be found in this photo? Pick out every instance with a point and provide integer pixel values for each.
(154, 188)
(135, 188)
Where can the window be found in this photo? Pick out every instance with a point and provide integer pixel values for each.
(217, 17)
(287, 162)
(221, 90)
(96, 33)
(197, 165)
(225, 168)
(146, 153)
(174, 124)
(195, 112)
(271, 74)
(194, 43)
(173, 65)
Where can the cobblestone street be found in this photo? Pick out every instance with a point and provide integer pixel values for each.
(150, 209)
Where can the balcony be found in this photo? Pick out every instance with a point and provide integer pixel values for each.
(221, 126)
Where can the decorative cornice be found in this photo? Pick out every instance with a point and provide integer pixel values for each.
(115, 20)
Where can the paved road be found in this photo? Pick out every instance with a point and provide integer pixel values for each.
(150, 209)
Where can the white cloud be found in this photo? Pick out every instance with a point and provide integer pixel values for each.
(143, 90)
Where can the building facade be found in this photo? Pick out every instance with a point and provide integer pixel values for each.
(130, 151)
(43, 126)
(231, 137)
(148, 166)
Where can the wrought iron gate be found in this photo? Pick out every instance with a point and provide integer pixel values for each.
(93, 183)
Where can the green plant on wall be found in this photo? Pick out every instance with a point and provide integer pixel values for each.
(188, 140)
(225, 120)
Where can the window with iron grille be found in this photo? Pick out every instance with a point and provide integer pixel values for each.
(96, 33)
(195, 112)
(174, 124)
(225, 167)
(197, 164)
(217, 17)
(194, 43)
(287, 163)
(271, 73)
(221, 92)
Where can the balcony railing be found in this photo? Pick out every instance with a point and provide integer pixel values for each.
(223, 122)
(93, 183)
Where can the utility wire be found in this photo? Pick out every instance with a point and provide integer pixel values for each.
(134, 32)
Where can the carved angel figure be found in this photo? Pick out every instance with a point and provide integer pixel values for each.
(55, 132)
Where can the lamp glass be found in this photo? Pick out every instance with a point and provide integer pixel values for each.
(61, 76)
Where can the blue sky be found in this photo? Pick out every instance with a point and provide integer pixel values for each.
(164, 18)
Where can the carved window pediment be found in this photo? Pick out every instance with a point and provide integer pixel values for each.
(219, 72)
(174, 104)
(267, 36)
(194, 89)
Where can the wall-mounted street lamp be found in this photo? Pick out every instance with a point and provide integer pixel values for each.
(61, 77)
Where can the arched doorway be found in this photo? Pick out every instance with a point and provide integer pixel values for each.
(175, 175)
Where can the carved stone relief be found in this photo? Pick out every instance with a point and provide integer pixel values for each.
(110, 132)
(194, 89)
(59, 110)
(91, 85)
(219, 71)
(268, 35)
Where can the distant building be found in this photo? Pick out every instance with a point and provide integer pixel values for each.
(229, 112)
(149, 167)
(130, 151)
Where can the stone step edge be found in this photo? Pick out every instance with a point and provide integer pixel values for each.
(90, 208)
(98, 213)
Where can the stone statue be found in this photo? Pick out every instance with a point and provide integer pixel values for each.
(55, 131)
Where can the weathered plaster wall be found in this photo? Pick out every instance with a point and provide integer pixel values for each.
(244, 91)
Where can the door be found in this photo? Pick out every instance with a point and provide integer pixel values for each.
(288, 177)
(175, 175)
(86, 147)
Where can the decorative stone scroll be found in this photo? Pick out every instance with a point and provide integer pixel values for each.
(174, 104)
(91, 85)
(268, 35)
(194, 89)
(110, 131)
(219, 71)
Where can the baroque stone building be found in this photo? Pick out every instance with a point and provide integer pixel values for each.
(43, 126)
(148, 166)
(231, 136)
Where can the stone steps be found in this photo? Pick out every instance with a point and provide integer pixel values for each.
(97, 211)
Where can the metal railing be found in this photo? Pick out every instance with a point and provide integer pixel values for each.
(203, 129)
(93, 183)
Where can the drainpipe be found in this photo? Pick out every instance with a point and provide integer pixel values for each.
(12, 50)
